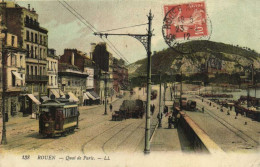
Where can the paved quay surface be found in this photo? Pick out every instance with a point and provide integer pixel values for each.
(166, 139)
(96, 133)
(231, 134)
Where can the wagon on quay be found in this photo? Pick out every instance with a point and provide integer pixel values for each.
(129, 109)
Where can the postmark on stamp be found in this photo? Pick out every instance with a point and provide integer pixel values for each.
(183, 23)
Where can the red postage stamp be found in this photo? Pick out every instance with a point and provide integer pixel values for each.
(186, 21)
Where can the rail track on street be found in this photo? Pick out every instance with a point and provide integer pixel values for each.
(126, 137)
(96, 136)
(230, 127)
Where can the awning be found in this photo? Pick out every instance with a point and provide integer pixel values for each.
(60, 92)
(90, 96)
(73, 97)
(36, 101)
(85, 97)
(17, 75)
(44, 98)
(55, 92)
(94, 94)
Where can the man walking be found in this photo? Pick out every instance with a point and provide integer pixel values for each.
(110, 107)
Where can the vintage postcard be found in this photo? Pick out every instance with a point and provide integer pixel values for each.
(130, 83)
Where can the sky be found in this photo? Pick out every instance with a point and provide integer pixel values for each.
(232, 21)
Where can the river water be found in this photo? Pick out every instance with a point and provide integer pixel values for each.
(236, 95)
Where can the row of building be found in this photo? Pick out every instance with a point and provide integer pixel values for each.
(31, 72)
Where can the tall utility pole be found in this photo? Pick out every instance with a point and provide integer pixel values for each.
(145, 39)
(164, 92)
(105, 113)
(181, 93)
(160, 104)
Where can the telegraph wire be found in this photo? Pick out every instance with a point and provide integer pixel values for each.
(91, 28)
(116, 49)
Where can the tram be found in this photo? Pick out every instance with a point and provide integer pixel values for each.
(58, 116)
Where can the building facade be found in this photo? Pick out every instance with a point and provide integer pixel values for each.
(120, 75)
(104, 61)
(14, 74)
(23, 22)
(72, 74)
(52, 71)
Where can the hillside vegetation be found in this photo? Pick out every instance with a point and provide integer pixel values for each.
(233, 59)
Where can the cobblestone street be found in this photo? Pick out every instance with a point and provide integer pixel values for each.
(96, 133)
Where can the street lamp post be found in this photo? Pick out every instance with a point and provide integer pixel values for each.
(4, 140)
(160, 104)
(105, 113)
(145, 39)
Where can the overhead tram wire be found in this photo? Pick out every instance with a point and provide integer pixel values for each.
(97, 31)
(85, 23)
(79, 15)
(123, 27)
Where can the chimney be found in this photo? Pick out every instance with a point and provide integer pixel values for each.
(29, 7)
(72, 59)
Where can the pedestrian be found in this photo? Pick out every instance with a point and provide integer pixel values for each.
(169, 122)
(165, 110)
(107, 101)
(202, 109)
(228, 113)
(103, 102)
(236, 113)
(159, 118)
(230, 107)
(77, 126)
(110, 107)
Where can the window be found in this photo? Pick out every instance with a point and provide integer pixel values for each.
(12, 40)
(27, 35)
(51, 80)
(43, 71)
(21, 61)
(32, 36)
(31, 51)
(40, 39)
(27, 70)
(55, 80)
(13, 80)
(32, 70)
(28, 50)
(68, 83)
(40, 53)
(36, 55)
(40, 70)
(35, 70)
(36, 38)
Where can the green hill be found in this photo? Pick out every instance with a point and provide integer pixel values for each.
(224, 57)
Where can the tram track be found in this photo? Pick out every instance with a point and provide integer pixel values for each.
(106, 130)
(230, 127)
(132, 132)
